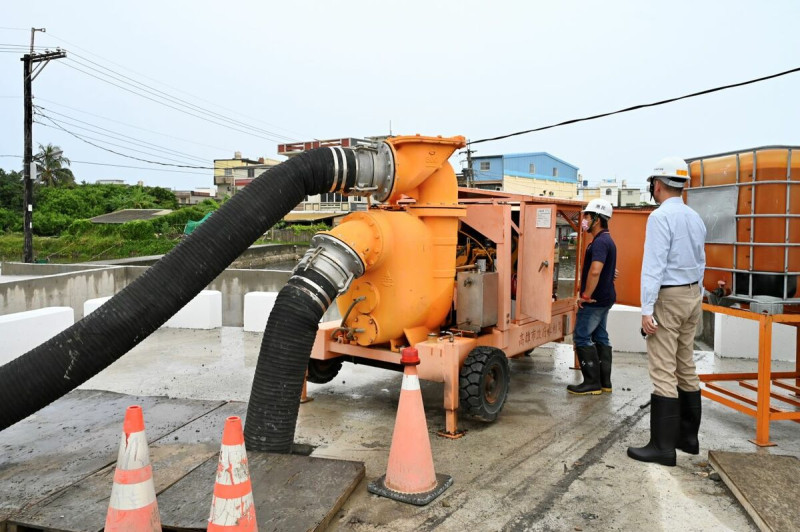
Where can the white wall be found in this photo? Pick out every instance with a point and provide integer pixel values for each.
(738, 338)
(22, 331)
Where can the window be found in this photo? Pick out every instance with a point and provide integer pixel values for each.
(608, 192)
(484, 166)
(555, 172)
(532, 168)
(331, 197)
(228, 172)
(251, 172)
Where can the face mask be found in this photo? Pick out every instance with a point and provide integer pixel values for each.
(585, 225)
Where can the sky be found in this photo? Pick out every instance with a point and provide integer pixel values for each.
(186, 82)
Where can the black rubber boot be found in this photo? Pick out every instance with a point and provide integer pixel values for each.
(590, 367)
(665, 419)
(690, 422)
(604, 353)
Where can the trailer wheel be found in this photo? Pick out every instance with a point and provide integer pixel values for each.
(483, 383)
(322, 371)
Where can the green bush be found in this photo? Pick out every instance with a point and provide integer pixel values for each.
(80, 227)
(50, 223)
(299, 229)
(10, 220)
(137, 230)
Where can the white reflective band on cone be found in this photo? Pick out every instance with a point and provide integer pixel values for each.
(132, 496)
(236, 457)
(228, 512)
(134, 453)
(410, 382)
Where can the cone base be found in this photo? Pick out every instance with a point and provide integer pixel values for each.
(378, 487)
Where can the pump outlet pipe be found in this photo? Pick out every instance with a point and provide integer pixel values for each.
(54, 368)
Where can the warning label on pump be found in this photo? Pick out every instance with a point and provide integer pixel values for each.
(543, 217)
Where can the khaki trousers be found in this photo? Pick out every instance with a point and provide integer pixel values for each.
(670, 351)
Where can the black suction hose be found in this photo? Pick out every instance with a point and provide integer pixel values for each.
(282, 362)
(47, 372)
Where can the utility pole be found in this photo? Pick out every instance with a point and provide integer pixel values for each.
(468, 172)
(29, 74)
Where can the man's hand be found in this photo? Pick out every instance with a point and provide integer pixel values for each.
(649, 325)
(616, 274)
(583, 298)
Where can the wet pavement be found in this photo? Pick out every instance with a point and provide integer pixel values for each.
(551, 461)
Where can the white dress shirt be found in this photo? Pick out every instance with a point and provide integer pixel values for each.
(674, 250)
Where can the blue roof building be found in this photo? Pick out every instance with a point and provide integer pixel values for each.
(536, 173)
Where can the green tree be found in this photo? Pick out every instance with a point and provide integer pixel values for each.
(53, 164)
(10, 201)
(11, 190)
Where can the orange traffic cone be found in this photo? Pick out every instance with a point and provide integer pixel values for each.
(133, 505)
(410, 476)
(232, 506)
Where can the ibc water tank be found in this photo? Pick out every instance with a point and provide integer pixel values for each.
(750, 203)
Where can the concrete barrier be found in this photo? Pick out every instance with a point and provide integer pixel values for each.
(257, 307)
(22, 331)
(738, 338)
(623, 325)
(90, 305)
(202, 312)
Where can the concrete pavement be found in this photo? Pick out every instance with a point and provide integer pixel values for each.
(552, 461)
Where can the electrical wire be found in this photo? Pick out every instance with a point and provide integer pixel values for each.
(73, 161)
(640, 106)
(171, 87)
(85, 137)
(123, 123)
(114, 135)
(122, 154)
(66, 64)
(168, 97)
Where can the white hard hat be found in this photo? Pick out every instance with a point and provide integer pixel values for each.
(672, 171)
(599, 206)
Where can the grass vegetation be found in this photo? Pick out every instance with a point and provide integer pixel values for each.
(63, 233)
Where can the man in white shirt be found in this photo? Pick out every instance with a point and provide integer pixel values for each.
(672, 293)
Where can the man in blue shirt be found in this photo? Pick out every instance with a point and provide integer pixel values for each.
(672, 293)
(596, 298)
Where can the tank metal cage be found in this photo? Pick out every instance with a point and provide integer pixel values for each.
(714, 203)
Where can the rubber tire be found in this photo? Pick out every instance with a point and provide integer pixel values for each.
(322, 371)
(483, 383)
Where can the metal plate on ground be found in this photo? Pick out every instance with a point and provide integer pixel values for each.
(765, 485)
(75, 437)
(82, 507)
(290, 492)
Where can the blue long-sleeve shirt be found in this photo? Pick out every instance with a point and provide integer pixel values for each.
(674, 250)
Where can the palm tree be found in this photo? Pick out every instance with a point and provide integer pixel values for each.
(52, 162)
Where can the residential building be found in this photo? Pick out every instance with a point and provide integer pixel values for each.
(234, 174)
(192, 197)
(536, 174)
(619, 195)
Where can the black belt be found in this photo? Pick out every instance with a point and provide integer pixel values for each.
(676, 285)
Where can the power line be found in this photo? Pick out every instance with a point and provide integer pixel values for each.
(171, 106)
(122, 154)
(641, 106)
(115, 135)
(172, 87)
(85, 137)
(73, 161)
(138, 167)
(127, 125)
(172, 99)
